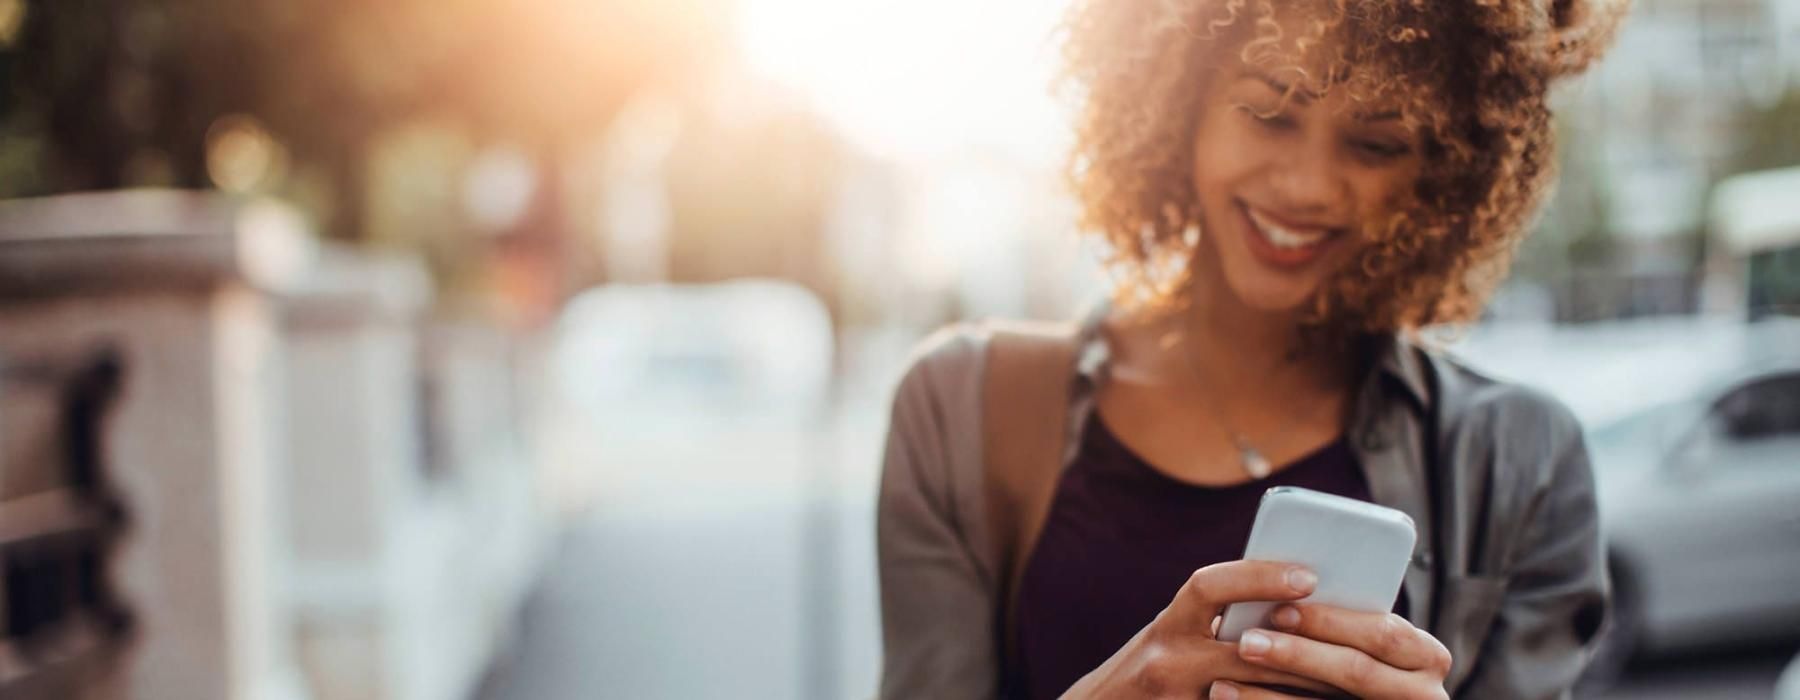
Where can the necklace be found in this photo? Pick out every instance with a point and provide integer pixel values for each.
(1251, 459)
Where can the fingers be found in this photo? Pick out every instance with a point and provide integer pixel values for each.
(1227, 690)
(1216, 586)
(1185, 668)
(1244, 672)
(1351, 669)
(1387, 637)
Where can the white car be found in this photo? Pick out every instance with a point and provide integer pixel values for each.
(1694, 429)
(1701, 509)
(1787, 687)
(671, 387)
(692, 418)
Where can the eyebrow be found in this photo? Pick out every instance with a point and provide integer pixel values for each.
(1301, 96)
(1305, 96)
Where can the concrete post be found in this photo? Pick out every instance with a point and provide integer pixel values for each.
(180, 284)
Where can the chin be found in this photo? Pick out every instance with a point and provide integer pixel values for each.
(1270, 295)
(1262, 288)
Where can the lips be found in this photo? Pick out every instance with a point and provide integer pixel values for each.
(1282, 243)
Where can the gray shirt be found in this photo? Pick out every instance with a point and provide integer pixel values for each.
(1508, 571)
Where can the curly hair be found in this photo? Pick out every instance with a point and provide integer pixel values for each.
(1470, 75)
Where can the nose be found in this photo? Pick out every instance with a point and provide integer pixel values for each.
(1307, 181)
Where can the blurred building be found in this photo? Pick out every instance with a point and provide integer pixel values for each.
(1669, 113)
(1756, 266)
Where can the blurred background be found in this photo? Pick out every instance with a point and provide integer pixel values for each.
(542, 348)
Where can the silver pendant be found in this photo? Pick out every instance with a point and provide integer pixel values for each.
(1254, 463)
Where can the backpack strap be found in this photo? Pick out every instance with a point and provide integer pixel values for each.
(1025, 392)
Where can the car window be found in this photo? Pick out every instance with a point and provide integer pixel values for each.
(1763, 409)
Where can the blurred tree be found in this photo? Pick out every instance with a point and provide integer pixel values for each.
(116, 93)
(112, 93)
(751, 182)
(1575, 232)
(1770, 135)
(1770, 140)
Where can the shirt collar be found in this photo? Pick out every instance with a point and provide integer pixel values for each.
(1394, 356)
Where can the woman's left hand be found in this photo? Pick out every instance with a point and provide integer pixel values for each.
(1368, 655)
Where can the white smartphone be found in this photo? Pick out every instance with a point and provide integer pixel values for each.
(1359, 550)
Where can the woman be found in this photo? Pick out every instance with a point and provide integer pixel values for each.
(1290, 190)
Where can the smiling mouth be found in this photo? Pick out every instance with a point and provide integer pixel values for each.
(1282, 243)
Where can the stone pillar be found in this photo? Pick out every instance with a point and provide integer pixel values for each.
(415, 532)
(355, 465)
(179, 285)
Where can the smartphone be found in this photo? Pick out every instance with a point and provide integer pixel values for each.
(1359, 550)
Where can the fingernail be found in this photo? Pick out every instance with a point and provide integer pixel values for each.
(1254, 643)
(1222, 690)
(1286, 617)
(1302, 580)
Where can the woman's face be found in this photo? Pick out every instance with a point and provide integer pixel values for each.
(1286, 188)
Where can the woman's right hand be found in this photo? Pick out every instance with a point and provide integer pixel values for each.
(1176, 656)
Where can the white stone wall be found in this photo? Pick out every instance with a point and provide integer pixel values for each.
(188, 445)
(407, 574)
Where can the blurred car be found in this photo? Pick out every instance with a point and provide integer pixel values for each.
(691, 418)
(1787, 686)
(1694, 429)
(668, 386)
(1700, 502)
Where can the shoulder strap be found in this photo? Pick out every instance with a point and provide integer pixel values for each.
(1025, 394)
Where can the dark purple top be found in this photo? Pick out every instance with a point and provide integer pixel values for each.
(1120, 540)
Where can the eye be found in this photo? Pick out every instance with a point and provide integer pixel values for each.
(1271, 117)
(1380, 149)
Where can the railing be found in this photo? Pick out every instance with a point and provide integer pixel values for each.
(60, 617)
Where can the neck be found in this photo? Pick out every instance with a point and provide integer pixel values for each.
(1244, 350)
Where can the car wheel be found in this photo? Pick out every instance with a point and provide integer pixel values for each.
(1618, 638)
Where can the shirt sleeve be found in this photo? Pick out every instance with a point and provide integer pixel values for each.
(1556, 590)
(937, 611)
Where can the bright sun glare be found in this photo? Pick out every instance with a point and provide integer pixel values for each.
(916, 77)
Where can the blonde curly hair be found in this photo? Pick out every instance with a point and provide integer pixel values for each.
(1471, 75)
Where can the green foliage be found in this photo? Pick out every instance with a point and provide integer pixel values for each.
(1576, 228)
(1771, 140)
(1771, 135)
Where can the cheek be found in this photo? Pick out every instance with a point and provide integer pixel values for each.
(1223, 157)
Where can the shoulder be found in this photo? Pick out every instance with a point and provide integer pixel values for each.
(1473, 394)
(1522, 427)
(933, 467)
(949, 358)
(936, 407)
(954, 359)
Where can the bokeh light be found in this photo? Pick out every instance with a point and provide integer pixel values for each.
(498, 187)
(917, 78)
(241, 154)
(12, 15)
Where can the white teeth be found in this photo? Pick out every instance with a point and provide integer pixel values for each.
(1285, 237)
